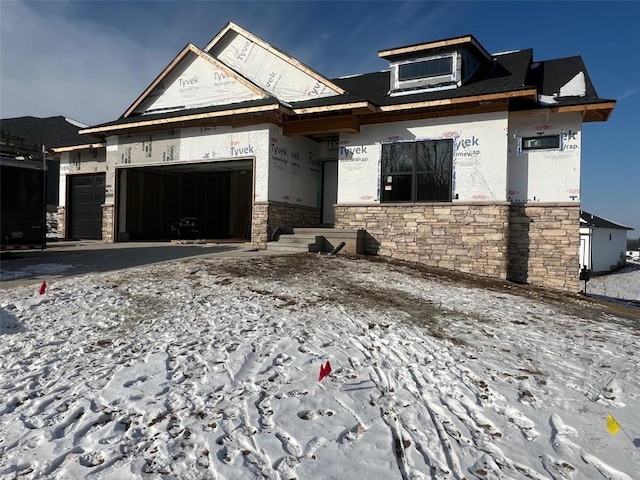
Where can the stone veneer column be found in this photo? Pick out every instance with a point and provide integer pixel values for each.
(466, 237)
(259, 231)
(544, 245)
(268, 216)
(108, 225)
(62, 219)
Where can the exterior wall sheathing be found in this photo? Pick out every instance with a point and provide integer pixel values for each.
(544, 243)
(267, 216)
(470, 238)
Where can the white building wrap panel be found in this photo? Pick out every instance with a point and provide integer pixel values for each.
(195, 83)
(225, 143)
(549, 175)
(295, 166)
(270, 72)
(479, 159)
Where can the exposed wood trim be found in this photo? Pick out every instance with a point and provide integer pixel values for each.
(290, 60)
(190, 48)
(178, 58)
(454, 101)
(366, 106)
(184, 118)
(591, 112)
(254, 88)
(78, 147)
(392, 52)
(426, 114)
(320, 126)
(219, 36)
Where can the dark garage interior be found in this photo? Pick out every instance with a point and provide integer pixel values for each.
(187, 201)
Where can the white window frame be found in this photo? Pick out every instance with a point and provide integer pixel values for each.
(397, 84)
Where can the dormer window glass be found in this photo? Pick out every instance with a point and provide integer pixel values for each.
(424, 73)
(432, 67)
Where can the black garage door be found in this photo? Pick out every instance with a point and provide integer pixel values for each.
(86, 196)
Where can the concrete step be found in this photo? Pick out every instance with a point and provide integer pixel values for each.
(287, 247)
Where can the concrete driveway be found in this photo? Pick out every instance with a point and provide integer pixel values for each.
(64, 259)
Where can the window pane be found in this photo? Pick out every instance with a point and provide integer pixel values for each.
(534, 143)
(397, 157)
(435, 156)
(434, 187)
(427, 68)
(398, 189)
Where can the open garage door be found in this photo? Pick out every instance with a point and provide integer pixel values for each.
(86, 196)
(197, 200)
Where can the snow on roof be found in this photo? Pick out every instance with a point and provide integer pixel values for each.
(506, 52)
(576, 87)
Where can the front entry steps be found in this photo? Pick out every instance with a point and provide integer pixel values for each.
(318, 240)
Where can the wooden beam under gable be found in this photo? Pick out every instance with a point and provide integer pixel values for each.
(322, 126)
(183, 119)
(460, 100)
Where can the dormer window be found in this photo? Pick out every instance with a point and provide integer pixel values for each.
(425, 72)
(434, 66)
(429, 67)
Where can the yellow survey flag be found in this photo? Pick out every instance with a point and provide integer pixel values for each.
(612, 425)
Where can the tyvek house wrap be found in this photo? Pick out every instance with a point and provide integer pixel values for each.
(195, 83)
(270, 72)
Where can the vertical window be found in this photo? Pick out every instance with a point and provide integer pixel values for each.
(417, 171)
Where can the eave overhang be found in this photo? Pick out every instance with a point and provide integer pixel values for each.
(73, 148)
(591, 112)
(172, 121)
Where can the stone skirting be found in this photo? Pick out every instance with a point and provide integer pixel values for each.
(469, 237)
(267, 216)
(108, 225)
(62, 225)
(544, 243)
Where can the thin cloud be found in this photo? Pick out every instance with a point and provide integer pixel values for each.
(628, 93)
(54, 65)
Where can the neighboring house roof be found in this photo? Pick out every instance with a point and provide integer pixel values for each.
(50, 131)
(562, 84)
(598, 222)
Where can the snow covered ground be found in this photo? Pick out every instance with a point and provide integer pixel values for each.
(208, 369)
(623, 283)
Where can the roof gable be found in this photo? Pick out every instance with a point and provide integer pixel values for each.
(194, 80)
(598, 222)
(272, 70)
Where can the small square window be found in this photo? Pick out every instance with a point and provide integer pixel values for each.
(541, 143)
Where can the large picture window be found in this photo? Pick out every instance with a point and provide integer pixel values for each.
(417, 171)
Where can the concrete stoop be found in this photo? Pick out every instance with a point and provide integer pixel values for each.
(316, 240)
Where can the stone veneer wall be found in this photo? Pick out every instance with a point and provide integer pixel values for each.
(267, 216)
(544, 245)
(467, 237)
(62, 226)
(108, 225)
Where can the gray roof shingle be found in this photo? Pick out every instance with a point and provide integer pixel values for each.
(50, 131)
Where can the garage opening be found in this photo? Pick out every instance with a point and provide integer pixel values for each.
(85, 199)
(196, 200)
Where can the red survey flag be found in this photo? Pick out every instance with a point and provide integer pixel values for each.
(43, 288)
(324, 370)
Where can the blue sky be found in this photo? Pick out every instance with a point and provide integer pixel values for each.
(90, 60)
